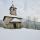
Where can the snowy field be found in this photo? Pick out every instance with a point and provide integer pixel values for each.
(19, 34)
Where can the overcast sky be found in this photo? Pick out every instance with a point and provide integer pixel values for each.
(24, 8)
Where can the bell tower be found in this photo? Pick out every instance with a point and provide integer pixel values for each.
(13, 9)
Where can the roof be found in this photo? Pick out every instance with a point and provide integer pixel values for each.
(15, 20)
(12, 6)
(13, 16)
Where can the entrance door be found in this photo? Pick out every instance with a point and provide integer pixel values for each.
(14, 25)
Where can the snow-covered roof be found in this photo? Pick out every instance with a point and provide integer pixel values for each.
(15, 20)
(13, 16)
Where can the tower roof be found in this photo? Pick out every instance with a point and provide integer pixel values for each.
(12, 6)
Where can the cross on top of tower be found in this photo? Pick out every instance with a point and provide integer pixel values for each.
(12, 2)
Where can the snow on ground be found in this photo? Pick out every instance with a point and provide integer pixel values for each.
(19, 34)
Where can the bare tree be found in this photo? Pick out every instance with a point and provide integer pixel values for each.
(35, 21)
(28, 20)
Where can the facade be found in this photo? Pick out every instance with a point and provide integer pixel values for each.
(12, 20)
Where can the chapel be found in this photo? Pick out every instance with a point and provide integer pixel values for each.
(12, 20)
